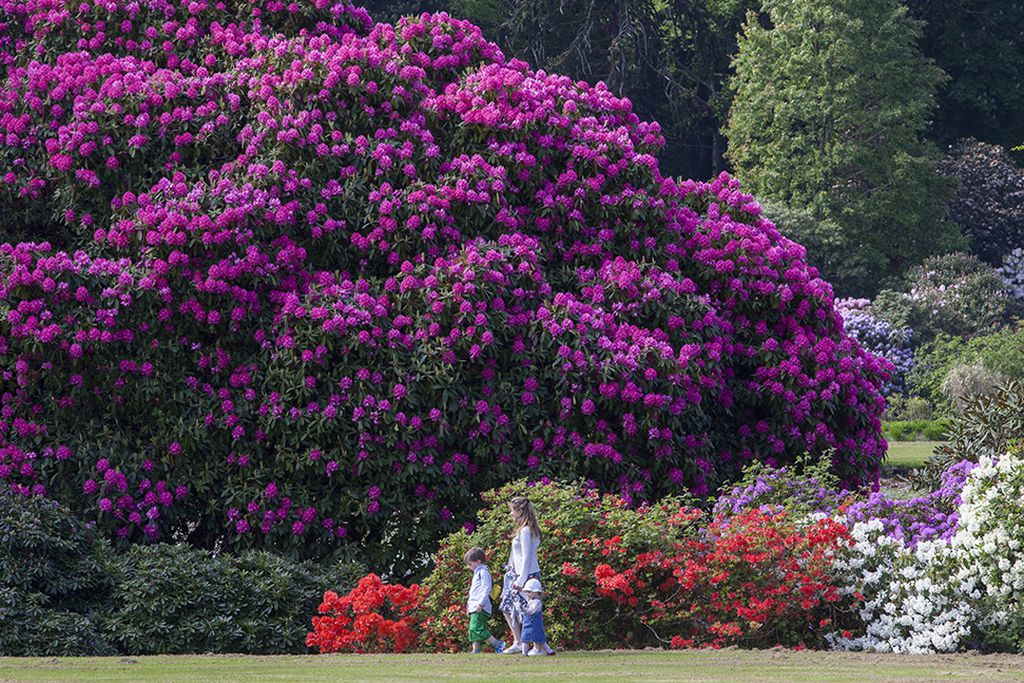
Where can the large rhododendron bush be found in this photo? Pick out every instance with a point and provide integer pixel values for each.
(299, 281)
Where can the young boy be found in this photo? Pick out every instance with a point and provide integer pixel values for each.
(479, 603)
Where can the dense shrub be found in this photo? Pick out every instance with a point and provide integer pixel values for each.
(1001, 352)
(173, 599)
(32, 625)
(581, 527)
(955, 294)
(914, 598)
(63, 592)
(54, 576)
(756, 579)
(988, 203)
(942, 572)
(322, 282)
(906, 580)
(990, 541)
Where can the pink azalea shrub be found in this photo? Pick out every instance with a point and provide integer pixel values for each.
(313, 282)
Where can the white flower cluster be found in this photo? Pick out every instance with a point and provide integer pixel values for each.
(989, 538)
(936, 596)
(915, 599)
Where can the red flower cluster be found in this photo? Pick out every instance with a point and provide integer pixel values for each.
(757, 579)
(373, 617)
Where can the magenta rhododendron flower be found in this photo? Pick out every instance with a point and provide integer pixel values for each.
(295, 255)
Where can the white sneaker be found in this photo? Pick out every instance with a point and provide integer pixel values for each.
(513, 649)
(537, 653)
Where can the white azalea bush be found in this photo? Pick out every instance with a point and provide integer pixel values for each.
(915, 599)
(990, 538)
(943, 594)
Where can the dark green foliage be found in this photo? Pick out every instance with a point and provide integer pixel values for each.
(980, 45)
(829, 248)
(54, 574)
(988, 202)
(830, 110)
(63, 592)
(46, 550)
(173, 599)
(30, 627)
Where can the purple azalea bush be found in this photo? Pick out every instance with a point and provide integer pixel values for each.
(931, 516)
(311, 281)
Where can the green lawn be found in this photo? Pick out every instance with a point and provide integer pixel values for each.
(910, 453)
(727, 666)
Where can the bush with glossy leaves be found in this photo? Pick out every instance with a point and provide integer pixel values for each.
(316, 283)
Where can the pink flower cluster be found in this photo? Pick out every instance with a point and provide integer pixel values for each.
(333, 279)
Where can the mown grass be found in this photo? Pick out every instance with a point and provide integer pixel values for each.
(727, 666)
(910, 453)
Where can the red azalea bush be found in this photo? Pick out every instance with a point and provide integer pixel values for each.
(312, 284)
(757, 579)
(665, 575)
(374, 617)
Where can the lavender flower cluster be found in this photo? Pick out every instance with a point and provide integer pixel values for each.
(880, 338)
(932, 516)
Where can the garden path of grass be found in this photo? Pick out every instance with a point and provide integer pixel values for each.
(910, 453)
(726, 666)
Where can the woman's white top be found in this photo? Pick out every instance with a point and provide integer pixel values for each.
(524, 554)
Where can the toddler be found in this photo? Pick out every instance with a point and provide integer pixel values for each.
(535, 642)
(479, 603)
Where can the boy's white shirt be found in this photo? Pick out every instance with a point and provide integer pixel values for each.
(480, 590)
(533, 605)
(524, 554)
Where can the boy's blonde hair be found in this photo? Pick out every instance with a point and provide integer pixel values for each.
(523, 514)
(475, 555)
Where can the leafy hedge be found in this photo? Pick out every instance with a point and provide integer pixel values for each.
(315, 283)
(64, 592)
(55, 577)
(915, 430)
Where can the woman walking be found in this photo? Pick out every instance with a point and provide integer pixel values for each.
(522, 566)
